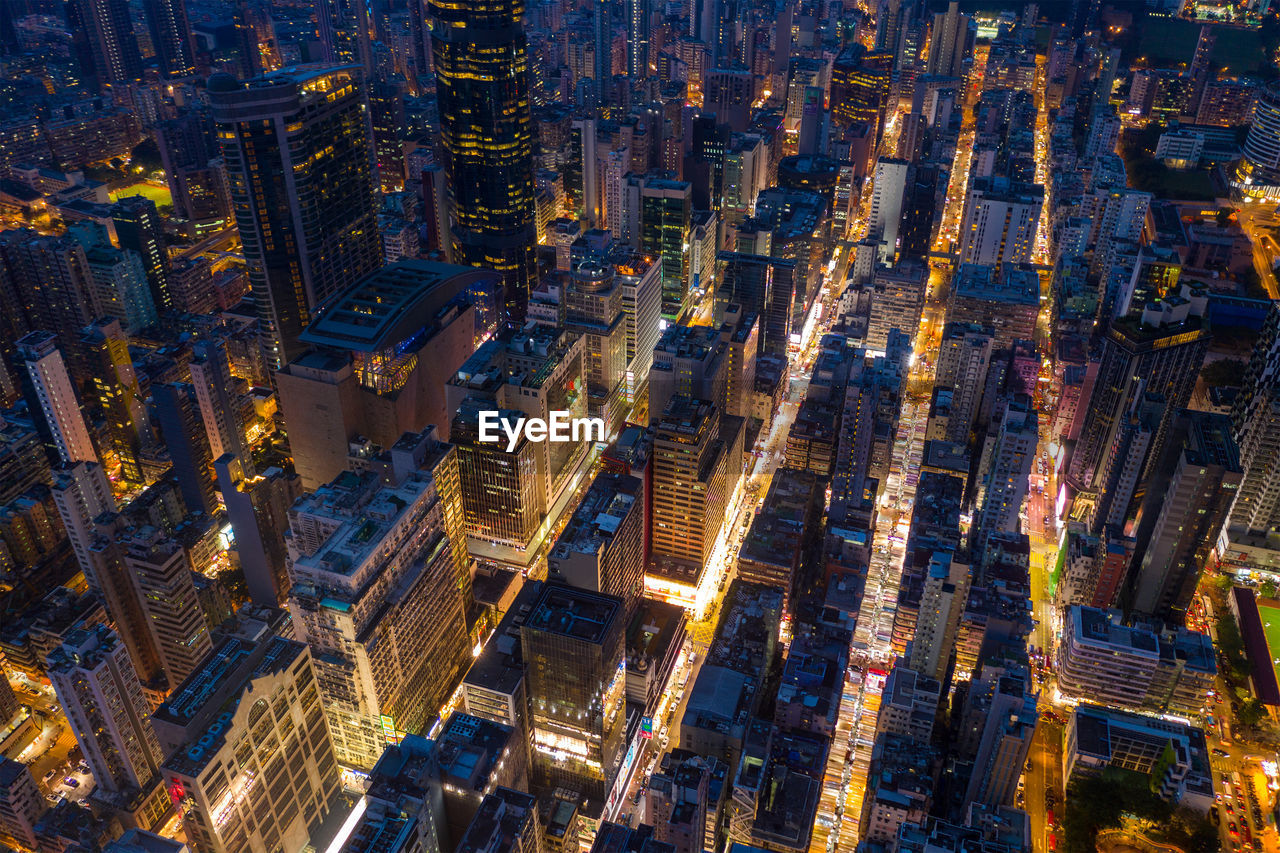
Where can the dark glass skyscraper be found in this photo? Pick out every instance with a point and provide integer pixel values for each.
(300, 163)
(482, 70)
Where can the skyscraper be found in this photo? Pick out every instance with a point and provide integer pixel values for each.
(482, 85)
(177, 415)
(171, 37)
(211, 378)
(104, 42)
(1256, 428)
(114, 397)
(1200, 474)
(139, 228)
(162, 569)
(104, 702)
(378, 595)
(300, 162)
(638, 15)
(56, 397)
(575, 660)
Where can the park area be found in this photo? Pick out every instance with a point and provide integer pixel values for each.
(159, 193)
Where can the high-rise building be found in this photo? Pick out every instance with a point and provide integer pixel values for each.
(889, 192)
(380, 356)
(82, 493)
(108, 712)
(1002, 706)
(114, 396)
(247, 723)
(1005, 299)
(575, 654)
(59, 406)
(602, 546)
(696, 467)
(258, 509)
(189, 153)
(300, 163)
(162, 569)
(343, 28)
(1258, 173)
(21, 805)
(950, 43)
(665, 217)
(140, 229)
(1256, 427)
(1012, 440)
(104, 42)
(171, 37)
(1201, 475)
(482, 85)
(52, 287)
(509, 496)
(176, 413)
(1000, 221)
(1165, 353)
(378, 593)
(963, 360)
(215, 389)
(639, 16)
(946, 589)
(897, 301)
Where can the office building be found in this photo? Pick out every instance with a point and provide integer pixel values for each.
(1255, 419)
(380, 357)
(59, 407)
(1143, 352)
(250, 758)
(1000, 221)
(482, 85)
(379, 595)
(1172, 755)
(509, 497)
(602, 547)
(574, 651)
(665, 218)
(688, 361)
(300, 162)
(163, 571)
(763, 286)
(697, 465)
(104, 702)
(1202, 467)
(113, 397)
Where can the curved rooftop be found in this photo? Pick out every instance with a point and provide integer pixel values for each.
(390, 305)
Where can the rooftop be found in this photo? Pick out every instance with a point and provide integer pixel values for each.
(575, 613)
(390, 306)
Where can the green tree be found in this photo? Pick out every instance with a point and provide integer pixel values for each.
(1224, 371)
